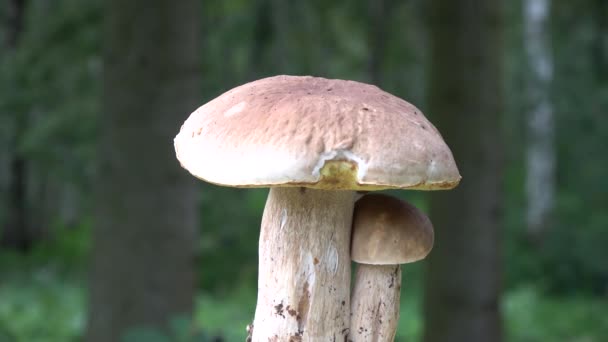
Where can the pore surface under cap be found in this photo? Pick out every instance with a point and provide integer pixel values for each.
(314, 132)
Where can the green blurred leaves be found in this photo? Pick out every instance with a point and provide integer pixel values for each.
(40, 307)
(49, 86)
(181, 329)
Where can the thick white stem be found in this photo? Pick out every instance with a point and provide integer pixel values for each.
(375, 303)
(304, 266)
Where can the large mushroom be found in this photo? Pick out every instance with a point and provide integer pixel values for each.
(387, 232)
(314, 142)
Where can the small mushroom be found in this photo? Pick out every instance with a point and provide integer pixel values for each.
(314, 142)
(387, 232)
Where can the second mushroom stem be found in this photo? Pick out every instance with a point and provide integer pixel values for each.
(375, 303)
(304, 266)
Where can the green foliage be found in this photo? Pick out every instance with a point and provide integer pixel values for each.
(532, 317)
(230, 233)
(181, 329)
(49, 88)
(39, 306)
(570, 258)
(226, 316)
(43, 292)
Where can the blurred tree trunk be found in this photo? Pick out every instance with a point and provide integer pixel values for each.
(378, 17)
(281, 31)
(600, 39)
(541, 153)
(14, 233)
(262, 35)
(463, 279)
(145, 232)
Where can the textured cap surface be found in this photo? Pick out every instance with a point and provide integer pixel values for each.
(314, 132)
(388, 231)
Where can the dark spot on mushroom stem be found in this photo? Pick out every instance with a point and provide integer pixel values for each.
(315, 261)
(302, 190)
(329, 89)
(295, 338)
(365, 108)
(303, 307)
(423, 127)
(279, 309)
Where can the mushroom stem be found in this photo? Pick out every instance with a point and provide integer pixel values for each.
(375, 303)
(304, 266)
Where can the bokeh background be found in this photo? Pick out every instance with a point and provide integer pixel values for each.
(104, 238)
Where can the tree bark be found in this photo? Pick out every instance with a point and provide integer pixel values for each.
(281, 31)
(540, 158)
(600, 40)
(263, 30)
(463, 279)
(145, 229)
(377, 36)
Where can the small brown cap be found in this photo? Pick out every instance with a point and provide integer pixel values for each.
(388, 231)
(314, 132)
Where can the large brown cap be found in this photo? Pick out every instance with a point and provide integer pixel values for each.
(388, 231)
(314, 132)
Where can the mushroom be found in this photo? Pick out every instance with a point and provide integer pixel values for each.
(387, 232)
(314, 142)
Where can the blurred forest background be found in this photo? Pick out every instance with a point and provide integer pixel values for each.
(103, 235)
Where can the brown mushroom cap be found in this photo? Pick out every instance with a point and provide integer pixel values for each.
(388, 231)
(314, 132)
